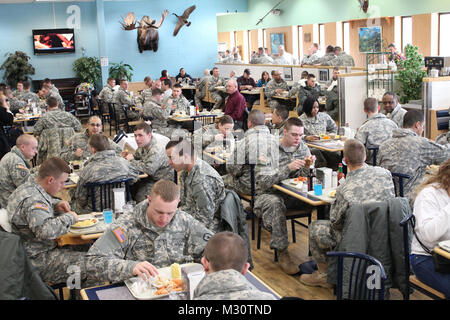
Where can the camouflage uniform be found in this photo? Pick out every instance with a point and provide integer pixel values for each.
(103, 166)
(14, 171)
(261, 59)
(152, 160)
(182, 104)
(277, 129)
(106, 94)
(159, 117)
(228, 285)
(326, 59)
(343, 59)
(28, 95)
(397, 115)
(311, 59)
(16, 93)
(56, 95)
(374, 131)
(410, 154)
(305, 92)
(120, 98)
(272, 205)
(202, 193)
(270, 92)
(54, 128)
(200, 93)
(145, 97)
(443, 139)
(364, 185)
(80, 141)
(332, 104)
(258, 147)
(218, 96)
(113, 256)
(31, 211)
(15, 104)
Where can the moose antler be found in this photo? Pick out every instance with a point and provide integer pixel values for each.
(129, 22)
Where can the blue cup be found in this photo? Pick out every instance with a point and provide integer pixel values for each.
(108, 215)
(318, 189)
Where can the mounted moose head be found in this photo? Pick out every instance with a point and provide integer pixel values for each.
(364, 5)
(148, 36)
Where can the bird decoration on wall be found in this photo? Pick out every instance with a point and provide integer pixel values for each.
(364, 5)
(148, 36)
(182, 20)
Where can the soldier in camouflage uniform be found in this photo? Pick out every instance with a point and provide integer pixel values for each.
(19, 89)
(177, 102)
(158, 113)
(46, 92)
(219, 133)
(363, 184)
(271, 205)
(77, 147)
(409, 153)
(261, 57)
(202, 188)
(107, 93)
(15, 166)
(332, 95)
(279, 118)
(444, 139)
(39, 218)
(310, 89)
(342, 59)
(200, 93)
(27, 95)
(149, 158)
(258, 147)
(122, 97)
(225, 264)
(375, 130)
(218, 96)
(156, 235)
(329, 55)
(275, 87)
(14, 103)
(54, 128)
(312, 56)
(392, 109)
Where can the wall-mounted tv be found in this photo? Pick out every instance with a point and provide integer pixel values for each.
(53, 41)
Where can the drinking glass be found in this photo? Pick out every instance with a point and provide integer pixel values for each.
(108, 215)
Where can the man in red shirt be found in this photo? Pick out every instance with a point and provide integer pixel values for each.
(236, 105)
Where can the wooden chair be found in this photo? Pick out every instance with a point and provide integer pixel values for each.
(411, 280)
(128, 124)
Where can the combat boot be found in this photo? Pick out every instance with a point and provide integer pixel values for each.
(317, 278)
(286, 263)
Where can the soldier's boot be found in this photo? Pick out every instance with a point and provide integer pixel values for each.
(317, 278)
(286, 263)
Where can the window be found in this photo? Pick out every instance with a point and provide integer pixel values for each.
(322, 36)
(300, 43)
(346, 37)
(264, 38)
(406, 32)
(444, 26)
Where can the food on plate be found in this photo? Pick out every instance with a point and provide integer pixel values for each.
(176, 271)
(300, 179)
(332, 194)
(173, 285)
(85, 223)
(325, 137)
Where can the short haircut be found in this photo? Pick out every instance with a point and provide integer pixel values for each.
(164, 73)
(337, 48)
(156, 91)
(293, 121)
(52, 102)
(26, 85)
(215, 68)
(316, 45)
(147, 78)
(182, 146)
(371, 105)
(95, 117)
(247, 71)
(110, 79)
(99, 142)
(392, 45)
(256, 117)
(143, 126)
(46, 80)
(354, 152)
(305, 73)
(391, 93)
(330, 49)
(282, 111)
(123, 80)
(24, 139)
(225, 119)
(226, 250)
(177, 85)
(308, 105)
(336, 69)
(311, 75)
(53, 167)
(272, 72)
(411, 117)
(166, 189)
(167, 82)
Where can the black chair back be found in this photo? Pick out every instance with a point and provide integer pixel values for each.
(366, 276)
(409, 219)
(113, 116)
(374, 154)
(104, 189)
(399, 177)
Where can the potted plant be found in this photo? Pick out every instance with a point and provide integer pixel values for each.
(17, 68)
(410, 74)
(120, 71)
(88, 69)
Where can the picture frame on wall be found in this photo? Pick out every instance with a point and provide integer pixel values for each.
(370, 39)
(275, 40)
(287, 72)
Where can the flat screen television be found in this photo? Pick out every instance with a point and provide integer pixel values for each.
(53, 41)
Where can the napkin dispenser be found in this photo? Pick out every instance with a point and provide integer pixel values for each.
(325, 175)
(193, 274)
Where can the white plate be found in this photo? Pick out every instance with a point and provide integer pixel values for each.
(445, 245)
(89, 226)
(291, 183)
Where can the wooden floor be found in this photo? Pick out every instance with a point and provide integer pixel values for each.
(285, 285)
